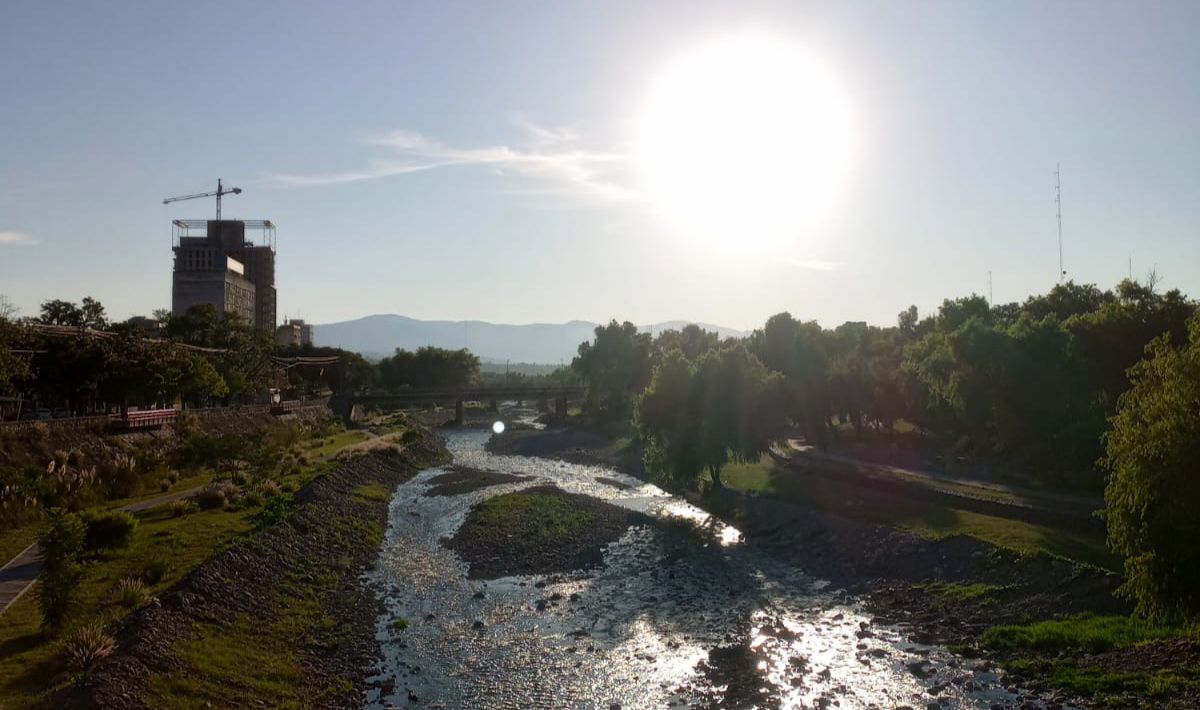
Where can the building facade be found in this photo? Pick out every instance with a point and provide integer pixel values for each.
(215, 264)
(294, 332)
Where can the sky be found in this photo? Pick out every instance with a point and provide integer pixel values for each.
(486, 160)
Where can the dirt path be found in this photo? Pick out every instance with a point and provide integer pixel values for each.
(1015, 495)
(22, 571)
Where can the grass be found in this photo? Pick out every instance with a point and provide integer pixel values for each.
(531, 516)
(1092, 634)
(14, 542)
(373, 491)
(28, 658)
(260, 661)
(925, 518)
(1049, 650)
(330, 445)
(1109, 688)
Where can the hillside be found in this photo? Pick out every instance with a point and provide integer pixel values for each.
(551, 343)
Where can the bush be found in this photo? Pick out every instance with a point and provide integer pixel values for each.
(122, 476)
(109, 530)
(253, 499)
(155, 569)
(269, 489)
(164, 485)
(181, 507)
(217, 495)
(132, 593)
(85, 646)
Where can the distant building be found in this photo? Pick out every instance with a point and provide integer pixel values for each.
(215, 264)
(150, 327)
(294, 332)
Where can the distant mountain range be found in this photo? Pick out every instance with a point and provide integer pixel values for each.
(549, 343)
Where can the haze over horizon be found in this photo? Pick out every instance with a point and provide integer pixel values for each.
(542, 164)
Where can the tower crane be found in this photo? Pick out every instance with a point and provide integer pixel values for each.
(220, 191)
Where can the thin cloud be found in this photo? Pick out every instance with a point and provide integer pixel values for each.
(553, 159)
(813, 264)
(16, 239)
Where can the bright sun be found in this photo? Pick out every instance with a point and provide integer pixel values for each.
(744, 143)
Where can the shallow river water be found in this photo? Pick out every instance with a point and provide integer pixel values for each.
(668, 619)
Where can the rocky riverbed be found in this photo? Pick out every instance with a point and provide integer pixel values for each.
(678, 610)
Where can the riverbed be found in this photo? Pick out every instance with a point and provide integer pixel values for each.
(680, 613)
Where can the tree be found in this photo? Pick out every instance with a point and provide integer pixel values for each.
(93, 313)
(14, 367)
(615, 367)
(59, 312)
(698, 417)
(8, 309)
(428, 367)
(1153, 492)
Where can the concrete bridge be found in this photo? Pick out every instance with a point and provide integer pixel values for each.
(344, 405)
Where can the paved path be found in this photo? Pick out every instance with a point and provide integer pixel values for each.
(1027, 496)
(21, 572)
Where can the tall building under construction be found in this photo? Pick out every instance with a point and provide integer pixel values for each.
(216, 264)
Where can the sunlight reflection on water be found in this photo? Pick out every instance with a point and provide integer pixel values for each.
(670, 617)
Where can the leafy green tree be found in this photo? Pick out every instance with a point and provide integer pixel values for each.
(615, 367)
(59, 312)
(428, 367)
(1153, 491)
(800, 352)
(14, 366)
(692, 341)
(697, 417)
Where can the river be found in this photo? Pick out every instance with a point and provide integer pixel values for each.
(669, 619)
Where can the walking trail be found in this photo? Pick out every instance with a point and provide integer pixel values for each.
(22, 571)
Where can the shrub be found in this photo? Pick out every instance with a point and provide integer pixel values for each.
(132, 593)
(269, 488)
(217, 495)
(156, 568)
(180, 507)
(109, 530)
(253, 499)
(122, 476)
(164, 485)
(85, 646)
(173, 477)
(62, 543)
(58, 593)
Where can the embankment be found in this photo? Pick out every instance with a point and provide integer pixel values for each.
(279, 619)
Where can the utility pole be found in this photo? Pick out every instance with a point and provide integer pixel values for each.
(1058, 210)
(991, 298)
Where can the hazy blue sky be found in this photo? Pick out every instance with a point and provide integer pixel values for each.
(471, 160)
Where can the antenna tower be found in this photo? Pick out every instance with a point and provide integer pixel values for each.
(1058, 212)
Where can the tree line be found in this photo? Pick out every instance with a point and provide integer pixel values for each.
(1080, 388)
(199, 358)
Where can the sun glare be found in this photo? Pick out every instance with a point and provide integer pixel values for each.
(744, 143)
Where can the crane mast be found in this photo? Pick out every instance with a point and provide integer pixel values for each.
(220, 191)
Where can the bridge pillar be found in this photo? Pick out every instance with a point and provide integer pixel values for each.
(459, 415)
(560, 408)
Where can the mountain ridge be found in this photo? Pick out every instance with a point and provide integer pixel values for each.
(379, 334)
